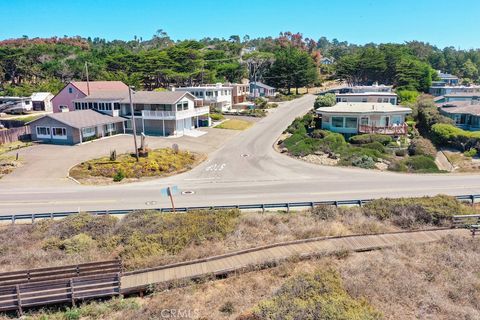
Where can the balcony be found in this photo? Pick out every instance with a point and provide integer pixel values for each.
(394, 130)
(174, 115)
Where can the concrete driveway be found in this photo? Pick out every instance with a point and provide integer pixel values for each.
(48, 164)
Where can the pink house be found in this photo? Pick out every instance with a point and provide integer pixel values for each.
(63, 101)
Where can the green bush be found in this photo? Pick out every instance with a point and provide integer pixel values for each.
(216, 116)
(369, 138)
(470, 153)
(364, 161)
(429, 115)
(326, 100)
(375, 146)
(78, 244)
(319, 296)
(260, 103)
(449, 135)
(407, 96)
(119, 176)
(421, 164)
(422, 147)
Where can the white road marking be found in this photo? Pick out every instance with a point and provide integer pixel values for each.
(216, 167)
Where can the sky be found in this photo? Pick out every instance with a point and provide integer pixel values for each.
(439, 22)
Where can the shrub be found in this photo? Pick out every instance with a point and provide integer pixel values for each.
(326, 100)
(227, 308)
(470, 153)
(324, 212)
(216, 116)
(364, 161)
(421, 164)
(422, 147)
(78, 244)
(375, 146)
(408, 96)
(260, 103)
(369, 138)
(318, 295)
(440, 208)
(401, 152)
(449, 135)
(119, 176)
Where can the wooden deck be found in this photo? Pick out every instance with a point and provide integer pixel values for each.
(227, 263)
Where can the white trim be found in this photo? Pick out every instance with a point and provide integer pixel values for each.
(43, 136)
(59, 137)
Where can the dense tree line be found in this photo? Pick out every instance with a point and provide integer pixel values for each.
(287, 61)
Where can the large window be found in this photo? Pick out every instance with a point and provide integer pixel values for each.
(185, 105)
(43, 132)
(179, 107)
(59, 133)
(350, 122)
(88, 132)
(337, 122)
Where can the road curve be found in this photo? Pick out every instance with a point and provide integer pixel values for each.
(141, 279)
(245, 170)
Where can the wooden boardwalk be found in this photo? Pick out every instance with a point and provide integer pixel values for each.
(227, 263)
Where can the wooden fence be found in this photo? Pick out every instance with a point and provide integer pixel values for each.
(66, 284)
(15, 134)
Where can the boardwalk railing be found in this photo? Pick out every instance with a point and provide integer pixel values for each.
(45, 286)
(259, 206)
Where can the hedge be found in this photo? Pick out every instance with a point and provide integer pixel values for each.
(369, 138)
(449, 135)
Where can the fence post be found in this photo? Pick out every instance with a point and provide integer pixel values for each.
(263, 208)
(19, 301)
(13, 219)
(288, 207)
(33, 218)
(472, 197)
(72, 293)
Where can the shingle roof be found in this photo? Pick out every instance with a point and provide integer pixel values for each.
(81, 118)
(261, 84)
(99, 86)
(363, 107)
(459, 107)
(141, 97)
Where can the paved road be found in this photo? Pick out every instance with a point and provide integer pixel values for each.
(245, 170)
(263, 255)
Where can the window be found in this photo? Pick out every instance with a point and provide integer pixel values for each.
(344, 99)
(397, 119)
(392, 101)
(185, 105)
(90, 105)
(77, 106)
(385, 100)
(350, 122)
(379, 100)
(179, 107)
(109, 127)
(70, 90)
(88, 132)
(43, 132)
(59, 133)
(364, 100)
(116, 106)
(338, 99)
(337, 122)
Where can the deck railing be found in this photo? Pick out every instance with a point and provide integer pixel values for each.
(400, 129)
(174, 115)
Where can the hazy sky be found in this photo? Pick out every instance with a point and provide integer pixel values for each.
(440, 22)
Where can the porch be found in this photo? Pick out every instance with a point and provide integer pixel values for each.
(395, 129)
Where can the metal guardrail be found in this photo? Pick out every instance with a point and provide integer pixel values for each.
(263, 206)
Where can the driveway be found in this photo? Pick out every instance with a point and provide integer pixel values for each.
(48, 164)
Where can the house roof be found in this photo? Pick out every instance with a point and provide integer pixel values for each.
(369, 93)
(461, 107)
(263, 85)
(81, 118)
(363, 107)
(205, 87)
(99, 86)
(40, 96)
(462, 94)
(442, 75)
(138, 97)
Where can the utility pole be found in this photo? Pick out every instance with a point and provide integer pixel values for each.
(88, 83)
(134, 127)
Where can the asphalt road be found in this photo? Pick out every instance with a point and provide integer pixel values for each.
(245, 170)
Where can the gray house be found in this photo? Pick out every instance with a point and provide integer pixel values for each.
(75, 127)
(466, 114)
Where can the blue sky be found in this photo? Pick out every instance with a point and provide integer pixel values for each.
(440, 22)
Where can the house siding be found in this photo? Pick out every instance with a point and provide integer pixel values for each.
(65, 98)
(73, 135)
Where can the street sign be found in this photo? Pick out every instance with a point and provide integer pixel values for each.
(170, 192)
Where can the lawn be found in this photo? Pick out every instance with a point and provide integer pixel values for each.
(158, 163)
(235, 124)
(6, 147)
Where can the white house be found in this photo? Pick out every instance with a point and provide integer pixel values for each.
(350, 118)
(155, 113)
(216, 96)
(42, 101)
